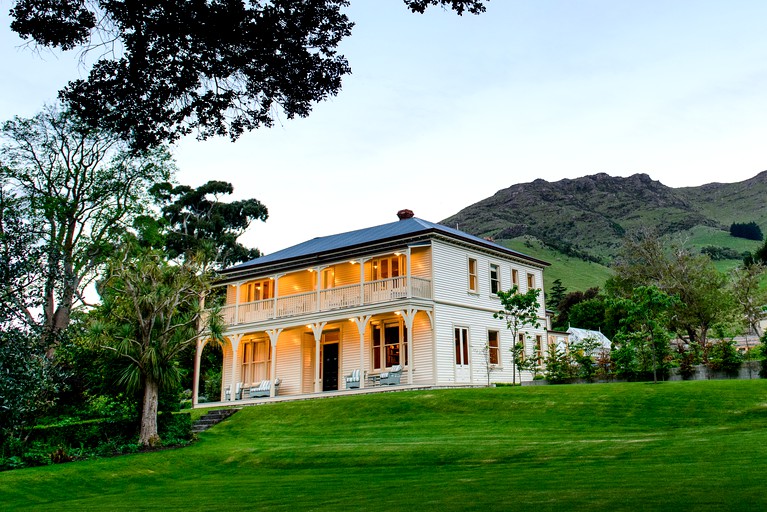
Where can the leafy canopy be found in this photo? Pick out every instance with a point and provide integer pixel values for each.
(167, 68)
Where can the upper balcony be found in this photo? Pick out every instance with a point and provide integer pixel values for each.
(375, 292)
(342, 285)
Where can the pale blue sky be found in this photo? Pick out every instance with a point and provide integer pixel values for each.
(442, 111)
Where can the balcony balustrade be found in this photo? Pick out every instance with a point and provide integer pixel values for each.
(342, 297)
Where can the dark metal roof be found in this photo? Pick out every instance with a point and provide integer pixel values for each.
(390, 231)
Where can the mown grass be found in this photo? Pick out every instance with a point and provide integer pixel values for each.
(672, 446)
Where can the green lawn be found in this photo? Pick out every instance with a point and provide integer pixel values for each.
(672, 446)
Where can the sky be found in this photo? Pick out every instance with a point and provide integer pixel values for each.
(442, 111)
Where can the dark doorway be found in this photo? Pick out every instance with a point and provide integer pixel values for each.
(330, 367)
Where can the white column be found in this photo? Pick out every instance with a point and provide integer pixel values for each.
(362, 322)
(237, 304)
(319, 284)
(197, 356)
(276, 280)
(274, 334)
(409, 276)
(235, 339)
(317, 331)
(409, 316)
(362, 281)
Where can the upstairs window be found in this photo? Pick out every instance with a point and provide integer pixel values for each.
(495, 278)
(530, 281)
(473, 285)
(515, 277)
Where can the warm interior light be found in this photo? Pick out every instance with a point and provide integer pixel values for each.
(397, 313)
(398, 254)
(352, 262)
(308, 326)
(310, 269)
(351, 319)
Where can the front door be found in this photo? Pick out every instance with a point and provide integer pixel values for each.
(330, 367)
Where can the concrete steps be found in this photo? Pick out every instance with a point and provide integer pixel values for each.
(212, 418)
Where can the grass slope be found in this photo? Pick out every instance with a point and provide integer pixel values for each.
(575, 273)
(678, 446)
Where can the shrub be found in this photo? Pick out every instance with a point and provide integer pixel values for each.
(724, 356)
(749, 231)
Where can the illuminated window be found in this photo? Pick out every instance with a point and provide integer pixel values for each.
(389, 344)
(256, 357)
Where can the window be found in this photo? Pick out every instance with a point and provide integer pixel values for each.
(257, 290)
(328, 278)
(389, 344)
(493, 347)
(473, 275)
(539, 348)
(522, 343)
(495, 278)
(461, 346)
(515, 277)
(385, 268)
(256, 358)
(530, 281)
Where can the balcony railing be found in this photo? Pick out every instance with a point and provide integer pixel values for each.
(374, 292)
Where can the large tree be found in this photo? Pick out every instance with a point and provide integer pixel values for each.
(645, 326)
(705, 301)
(150, 313)
(75, 190)
(171, 67)
(196, 220)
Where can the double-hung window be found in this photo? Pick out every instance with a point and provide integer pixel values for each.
(493, 347)
(473, 284)
(495, 278)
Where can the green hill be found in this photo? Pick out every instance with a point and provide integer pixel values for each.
(673, 446)
(586, 218)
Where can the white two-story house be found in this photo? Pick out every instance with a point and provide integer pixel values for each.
(410, 293)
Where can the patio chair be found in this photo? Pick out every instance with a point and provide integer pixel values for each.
(262, 390)
(391, 378)
(353, 380)
(237, 392)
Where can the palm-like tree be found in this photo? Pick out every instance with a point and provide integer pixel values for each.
(151, 311)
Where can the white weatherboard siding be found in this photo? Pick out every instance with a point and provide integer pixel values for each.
(456, 306)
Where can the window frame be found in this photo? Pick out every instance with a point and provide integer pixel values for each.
(495, 283)
(381, 351)
(250, 366)
(494, 349)
(462, 346)
(473, 277)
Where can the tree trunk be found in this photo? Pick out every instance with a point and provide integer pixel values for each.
(148, 436)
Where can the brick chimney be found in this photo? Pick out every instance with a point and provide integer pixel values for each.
(405, 214)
